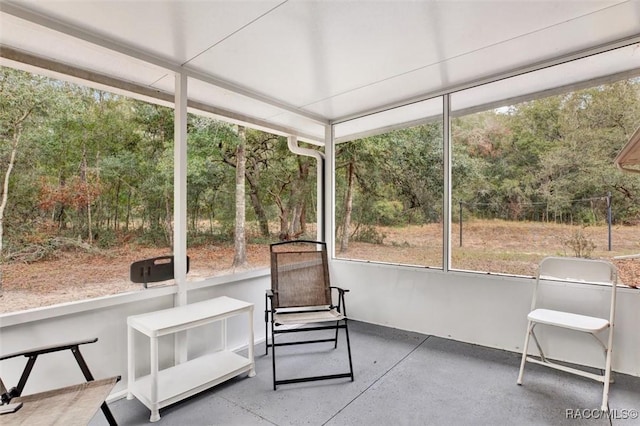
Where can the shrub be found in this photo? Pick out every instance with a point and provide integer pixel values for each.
(388, 213)
(368, 234)
(581, 245)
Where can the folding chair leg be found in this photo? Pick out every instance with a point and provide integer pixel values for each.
(346, 330)
(605, 394)
(525, 350)
(337, 329)
(89, 377)
(273, 353)
(25, 375)
(266, 325)
(607, 372)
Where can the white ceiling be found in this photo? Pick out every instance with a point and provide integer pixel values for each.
(297, 65)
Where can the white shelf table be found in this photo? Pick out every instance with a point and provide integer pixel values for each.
(164, 387)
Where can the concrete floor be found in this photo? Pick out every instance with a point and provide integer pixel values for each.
(401, 378)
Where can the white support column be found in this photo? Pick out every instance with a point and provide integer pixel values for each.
(180, 189)
(180, 206)
(446, 208)
(329, 190)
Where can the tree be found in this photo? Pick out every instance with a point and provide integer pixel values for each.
(240, 256)
(348, 205)
(23, 99)
(261, 152)
(366, 182)
(292, 189)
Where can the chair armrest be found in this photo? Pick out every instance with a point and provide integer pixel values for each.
(47, 349)
(342, 308)
(268, 304)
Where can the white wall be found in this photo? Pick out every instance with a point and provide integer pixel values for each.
(487, 310)
(475, 308)
(106, 318)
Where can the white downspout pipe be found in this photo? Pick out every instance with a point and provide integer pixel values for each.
(292, 142)
(330, 189)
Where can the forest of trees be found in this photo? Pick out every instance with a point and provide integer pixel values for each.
(548, 160)
(537, 159)
(94, 167)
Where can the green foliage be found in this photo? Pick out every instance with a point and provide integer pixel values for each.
(388, 213)
(368, 234)
(100, 165)
(552, 155)
(107, 238)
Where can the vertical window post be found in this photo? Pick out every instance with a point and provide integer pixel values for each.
(180, 188)
(180, 206)
(446, 196)
(329, 190)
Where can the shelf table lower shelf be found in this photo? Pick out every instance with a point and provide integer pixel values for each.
(187, 379)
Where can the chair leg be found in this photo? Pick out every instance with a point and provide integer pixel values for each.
(336, 338)
(266, 325)
(87, 375)
(607, 371)
(273, 353)
(346, 330)
(525, 349)
(266, 335)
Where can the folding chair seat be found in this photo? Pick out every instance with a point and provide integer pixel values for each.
(583, 271)
(70, 405)
(300, 301)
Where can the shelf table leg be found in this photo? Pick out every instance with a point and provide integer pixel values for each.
(131, 366)
(252, 372)
(155, 406)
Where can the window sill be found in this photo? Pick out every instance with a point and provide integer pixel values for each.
(45, 312)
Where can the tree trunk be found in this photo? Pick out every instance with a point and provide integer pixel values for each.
(168, 225)
(240, 256)
(258, 208)
(348, 206)
(127, 217)
(5, 186)
(116, 218)
(85, 182)
(303, 219)
(283, 216)
(301, 198)
(17, 132)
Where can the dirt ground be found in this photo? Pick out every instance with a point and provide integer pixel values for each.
(487, 245)
(76, 275)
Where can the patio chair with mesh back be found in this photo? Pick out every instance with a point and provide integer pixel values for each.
(300, 301)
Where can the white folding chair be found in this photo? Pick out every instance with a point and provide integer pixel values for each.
(587, 271)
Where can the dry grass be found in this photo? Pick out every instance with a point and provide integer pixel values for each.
(496, 246)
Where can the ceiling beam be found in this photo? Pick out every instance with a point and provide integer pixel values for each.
(39, 65)
(612, 78)
(75, 32)
(627, 41)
